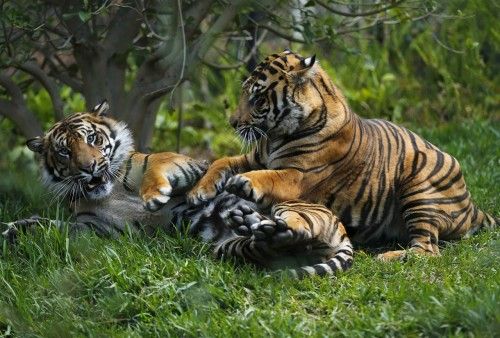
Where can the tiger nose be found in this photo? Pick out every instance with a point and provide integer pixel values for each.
(89, 167)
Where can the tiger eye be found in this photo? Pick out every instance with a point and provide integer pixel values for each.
(63, 151)
(91, 138)
(259, 103)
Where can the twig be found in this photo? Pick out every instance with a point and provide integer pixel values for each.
(148, 24)
(184, 52)
(355, 15)
(445, 46)
(242, 61)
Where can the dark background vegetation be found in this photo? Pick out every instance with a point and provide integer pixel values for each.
(172, 70)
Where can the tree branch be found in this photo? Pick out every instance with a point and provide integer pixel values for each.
(355, 15)
(196, 15)
(203, 43)
(76, 27)
(12, 89)
(16, 109)
(123, 28)
(34, 70)
(243, 61)
(60, 74)
(281, 34)
(159, 86)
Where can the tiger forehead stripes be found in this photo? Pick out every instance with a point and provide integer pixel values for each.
(383, 181)
(262, 78)
(73, 134)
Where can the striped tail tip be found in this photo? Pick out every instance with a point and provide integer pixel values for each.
(329, 268)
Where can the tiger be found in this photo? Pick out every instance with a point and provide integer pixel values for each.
(386, 184)
(88, 159)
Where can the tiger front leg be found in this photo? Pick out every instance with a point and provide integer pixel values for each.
(167, 175)
(217, 174)
(266, 187)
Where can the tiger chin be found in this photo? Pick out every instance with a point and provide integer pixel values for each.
(88, 159)
(385, 183)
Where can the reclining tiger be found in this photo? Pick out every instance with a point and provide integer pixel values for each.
(383, 181)
(89, 159)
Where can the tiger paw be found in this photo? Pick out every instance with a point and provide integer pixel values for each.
(242, 186)
(201, 194)
(274, 231)
(241, 219)
(10, 235)
(154, 198)
(205, 190)
(13, 228)
(390, 256)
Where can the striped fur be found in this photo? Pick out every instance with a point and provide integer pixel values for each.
(89, 159)
(385, 182)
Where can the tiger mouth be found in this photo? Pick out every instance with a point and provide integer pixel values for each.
(96, 182)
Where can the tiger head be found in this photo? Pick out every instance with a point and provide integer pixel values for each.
(279, 97)
(81, 156)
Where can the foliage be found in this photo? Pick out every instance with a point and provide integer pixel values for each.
(442, 68)
(169, 286)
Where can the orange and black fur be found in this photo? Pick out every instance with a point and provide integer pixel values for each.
(88, 159)
(383, 181)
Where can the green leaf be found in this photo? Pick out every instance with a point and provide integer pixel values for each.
(84, 16)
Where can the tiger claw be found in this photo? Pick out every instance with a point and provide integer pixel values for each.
(154, 200)
(240, 186)
(10, 235)
(201, 196)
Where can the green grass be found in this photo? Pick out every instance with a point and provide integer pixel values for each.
(52, 286)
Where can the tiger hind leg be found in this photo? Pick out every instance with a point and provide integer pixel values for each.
(300, 230)
(423, 241)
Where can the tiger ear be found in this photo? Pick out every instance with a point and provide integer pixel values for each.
(101, 109)
(305, 71)
(35, 144)
(308, 63)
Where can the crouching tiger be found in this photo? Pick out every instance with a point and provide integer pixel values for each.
(88, 159)
(385, 182)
